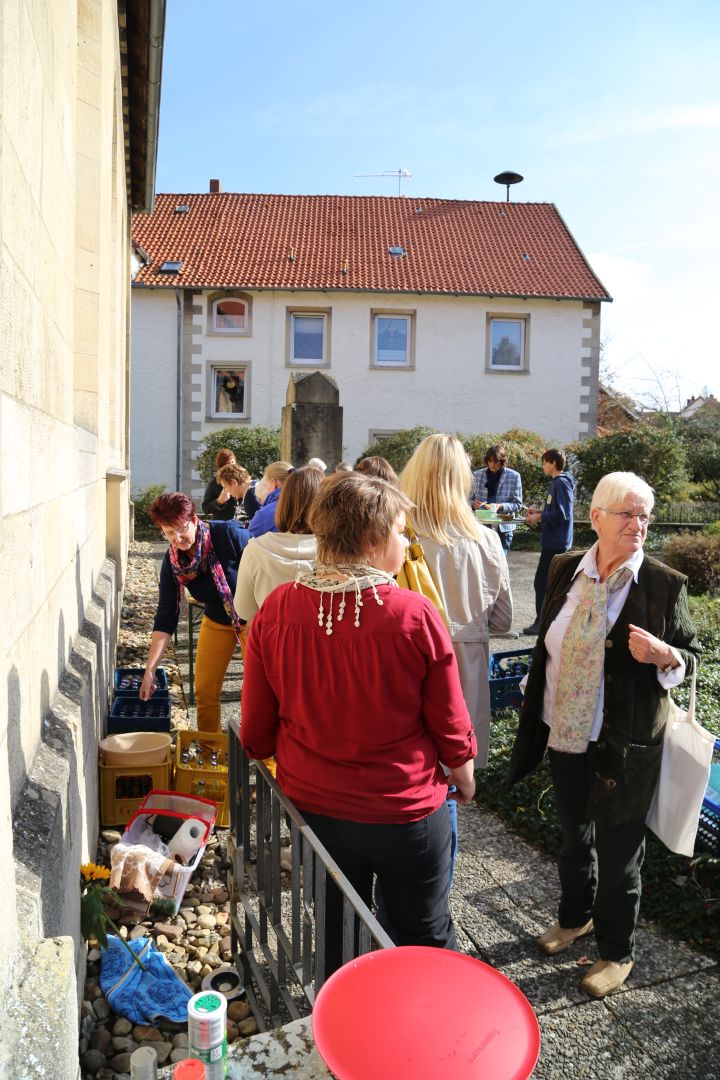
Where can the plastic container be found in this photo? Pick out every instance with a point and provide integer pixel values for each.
(189, 1069)
(123, 788)
(206, 780)
(132, 714)
(171, 804)
(708, 835)
(507, 669)
(207, 1032)
(127, 680)
(135, 748)
(143, 1064)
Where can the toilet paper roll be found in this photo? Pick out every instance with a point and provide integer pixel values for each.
(187, 839)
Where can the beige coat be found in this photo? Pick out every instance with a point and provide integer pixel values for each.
(472, 578)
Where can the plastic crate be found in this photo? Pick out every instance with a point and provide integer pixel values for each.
(127, 680)
(507, 669)
(132, 714)
(124, 787)
(172, 804)
(708, 835)
(207, 781)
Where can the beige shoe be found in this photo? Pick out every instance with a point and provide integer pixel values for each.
(605, 976)
(557, 939)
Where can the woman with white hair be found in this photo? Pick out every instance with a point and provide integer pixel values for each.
(615, 636)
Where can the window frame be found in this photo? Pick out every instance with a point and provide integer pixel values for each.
(211, 414)
(213, 330)
(409, 317)
(312, 313)
(508, 369)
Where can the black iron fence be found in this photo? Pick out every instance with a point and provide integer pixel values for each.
(278, 900)
(673, 513)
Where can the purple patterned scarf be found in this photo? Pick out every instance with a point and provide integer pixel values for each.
(200, 558)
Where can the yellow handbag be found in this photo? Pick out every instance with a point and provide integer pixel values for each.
(415, 574)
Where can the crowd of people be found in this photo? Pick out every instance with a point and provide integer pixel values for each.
(374, 700)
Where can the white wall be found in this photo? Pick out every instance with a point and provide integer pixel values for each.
(153, 388)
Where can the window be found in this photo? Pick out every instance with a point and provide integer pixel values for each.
(230, 316)
(228, 391)
(308, 338)
(507, 343)
(393, 339)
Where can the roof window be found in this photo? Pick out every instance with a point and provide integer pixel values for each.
(171, 266)
(397, 249)
(182, 208)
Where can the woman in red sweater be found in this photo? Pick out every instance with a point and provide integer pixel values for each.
(353, 684)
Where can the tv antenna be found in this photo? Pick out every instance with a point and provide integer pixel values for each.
(402, 174)
(508, 178)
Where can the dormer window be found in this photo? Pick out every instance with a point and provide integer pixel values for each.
(230, 316)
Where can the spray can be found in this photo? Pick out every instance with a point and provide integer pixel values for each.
(207, 1032)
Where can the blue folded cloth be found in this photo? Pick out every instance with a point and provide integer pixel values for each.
(142, 996)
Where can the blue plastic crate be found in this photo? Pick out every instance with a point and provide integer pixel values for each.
(132, 714)
(708, 835)
(507, 669)
(127, 682)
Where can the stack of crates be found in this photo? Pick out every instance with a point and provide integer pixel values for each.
(507, 669)
(201, 769)
(708, 834)
(129, 713)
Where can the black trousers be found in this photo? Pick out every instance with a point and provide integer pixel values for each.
(599, 865)
(541, 576)
(412, 864)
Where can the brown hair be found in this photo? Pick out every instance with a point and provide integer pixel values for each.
(223, 456)
(554, 457)
(296, 499)
(278, 470)
(354, 514)
(496, 453)
(229, 473)
(172, 508)
(377, 466)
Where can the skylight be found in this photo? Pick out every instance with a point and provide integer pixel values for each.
(171, 266)
(182, 208)
(397, 249)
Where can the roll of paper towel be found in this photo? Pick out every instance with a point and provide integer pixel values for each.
(187, 839)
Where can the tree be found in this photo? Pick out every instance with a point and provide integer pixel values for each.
(654, 452)
(254, 448)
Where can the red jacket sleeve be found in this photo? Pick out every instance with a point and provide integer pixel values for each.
(259, 711)
(446, 715)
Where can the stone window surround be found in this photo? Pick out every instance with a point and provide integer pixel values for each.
(326, 313)
(229, 294)
(507, 316)
(212, 417)
(376, 435)
(408, 313)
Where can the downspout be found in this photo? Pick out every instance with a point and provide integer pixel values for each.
(179, 417)
(156, 34)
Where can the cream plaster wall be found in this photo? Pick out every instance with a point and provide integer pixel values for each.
(64, 260)
(448, 388)
(154, 389)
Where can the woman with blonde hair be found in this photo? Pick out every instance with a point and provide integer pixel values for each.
(267, 491)
(467, 563)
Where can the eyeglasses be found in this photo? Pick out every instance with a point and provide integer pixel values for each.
(628, 515)
(178, 534)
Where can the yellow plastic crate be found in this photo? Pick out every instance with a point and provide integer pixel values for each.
(123, 788)
(205, 781)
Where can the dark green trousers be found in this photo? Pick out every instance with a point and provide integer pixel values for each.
(599, 865)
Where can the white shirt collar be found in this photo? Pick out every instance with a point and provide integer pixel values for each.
(588, 563)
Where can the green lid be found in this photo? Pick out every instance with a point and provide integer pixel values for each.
(208, 1003)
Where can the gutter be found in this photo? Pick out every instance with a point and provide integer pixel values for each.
(156, 34)
(179, 414)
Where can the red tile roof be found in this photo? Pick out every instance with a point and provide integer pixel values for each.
(342, 242)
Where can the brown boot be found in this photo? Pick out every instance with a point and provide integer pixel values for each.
(605, 976)
(556, 939)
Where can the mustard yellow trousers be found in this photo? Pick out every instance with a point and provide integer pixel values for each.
(215, 648)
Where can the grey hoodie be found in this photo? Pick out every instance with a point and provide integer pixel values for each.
(268, 561)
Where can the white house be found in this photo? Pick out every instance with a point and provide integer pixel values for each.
(465, 316)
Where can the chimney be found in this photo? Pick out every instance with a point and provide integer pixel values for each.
(215, 187)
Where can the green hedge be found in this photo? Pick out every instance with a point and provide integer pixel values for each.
(254, 448)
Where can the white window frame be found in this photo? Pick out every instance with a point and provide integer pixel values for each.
(307, 313)
(523, 321)
(215, 368)
(229, 329)
(408, 317)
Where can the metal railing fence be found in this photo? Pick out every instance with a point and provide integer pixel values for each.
(278, 934)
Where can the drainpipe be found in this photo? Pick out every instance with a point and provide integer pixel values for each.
(179, 416)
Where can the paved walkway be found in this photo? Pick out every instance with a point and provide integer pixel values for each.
(664, 1023)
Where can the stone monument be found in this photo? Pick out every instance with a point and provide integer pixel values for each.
(312, 420)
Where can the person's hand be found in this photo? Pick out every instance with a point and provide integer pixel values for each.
(147, 686)
(465, 789)
(533, 515)
(647, 649)
(223, 497)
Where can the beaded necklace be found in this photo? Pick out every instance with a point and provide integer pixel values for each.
(342, 579)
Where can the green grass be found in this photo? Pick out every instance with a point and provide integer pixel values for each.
(680, 895)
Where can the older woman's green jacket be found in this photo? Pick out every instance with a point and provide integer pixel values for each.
(626, 758)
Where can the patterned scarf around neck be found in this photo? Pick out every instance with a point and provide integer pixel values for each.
(346, 578)
(203, 556)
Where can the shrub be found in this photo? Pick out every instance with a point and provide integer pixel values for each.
(398, 448)
(254, 448)
(142, 500)
(655, 453)
(697, 555)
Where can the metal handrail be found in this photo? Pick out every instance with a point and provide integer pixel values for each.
(280, 946)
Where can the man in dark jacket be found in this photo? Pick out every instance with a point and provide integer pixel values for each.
(556, 525)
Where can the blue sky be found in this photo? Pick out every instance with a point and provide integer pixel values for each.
(612, 113)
